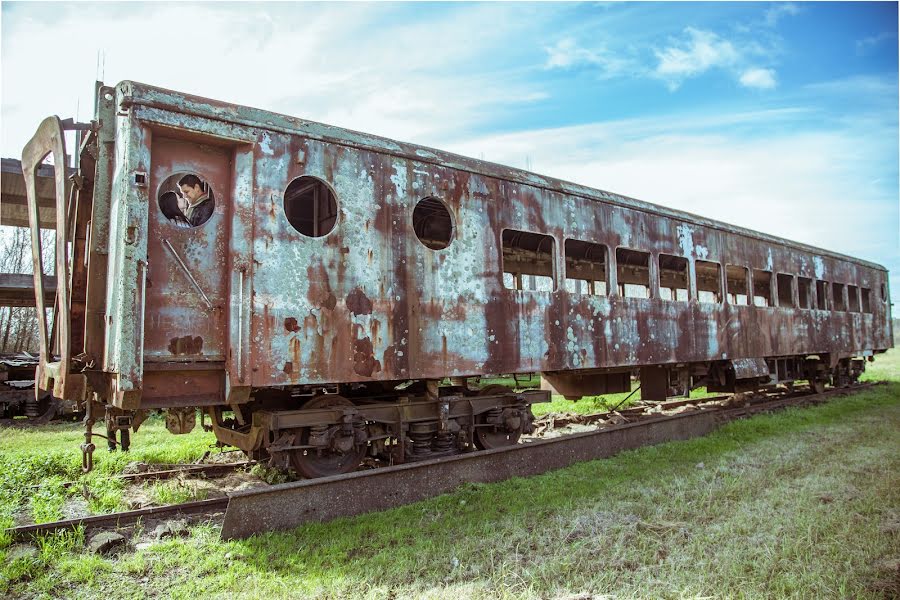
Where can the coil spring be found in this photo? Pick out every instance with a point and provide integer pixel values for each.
(443, 442)
(421, 441)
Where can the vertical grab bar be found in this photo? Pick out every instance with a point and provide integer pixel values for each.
(240, 326)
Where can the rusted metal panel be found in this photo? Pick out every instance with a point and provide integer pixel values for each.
(748, 368)
(181, 323)
(98, 249)
(289, 505)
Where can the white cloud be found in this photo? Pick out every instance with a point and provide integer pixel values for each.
(761, 79)
(567, 54)
(867, 43)
(703, 50)
(700, 51)
(779, 10)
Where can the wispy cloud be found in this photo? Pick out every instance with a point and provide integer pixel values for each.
(567, 53)
(762, 79)
(867, 44)
(779, 10)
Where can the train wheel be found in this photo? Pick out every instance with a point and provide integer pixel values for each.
(486, 436)
(331, 460)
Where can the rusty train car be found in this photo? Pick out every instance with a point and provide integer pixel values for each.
(323, 295)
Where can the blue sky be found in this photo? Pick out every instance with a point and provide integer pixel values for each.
(782, 117)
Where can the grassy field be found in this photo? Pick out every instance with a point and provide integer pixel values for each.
(803, 503)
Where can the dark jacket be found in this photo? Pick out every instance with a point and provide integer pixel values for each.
(202, 212)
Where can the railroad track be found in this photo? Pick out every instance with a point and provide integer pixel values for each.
(288, 505)
(172, 471)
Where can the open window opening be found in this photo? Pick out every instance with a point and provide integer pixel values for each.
(866, 295)
(673, 277)
(709, 281)
(822, 294)
(852, 298)
(633, 273)
(528, 260)
(432, 223)
(804, 292)
(736, 284)
(785, 290)
(762, 288)
(837, 296)
(586, 268)
(310, 206)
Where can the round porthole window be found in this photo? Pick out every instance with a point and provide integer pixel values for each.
(310, 206)
(432, 223)
(186, 200)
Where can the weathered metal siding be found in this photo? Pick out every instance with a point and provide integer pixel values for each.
(179, 325)
(369, 301)
(127, 258)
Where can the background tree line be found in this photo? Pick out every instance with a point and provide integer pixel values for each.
(19, 324)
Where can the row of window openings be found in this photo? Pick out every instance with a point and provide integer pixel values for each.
(528, 260)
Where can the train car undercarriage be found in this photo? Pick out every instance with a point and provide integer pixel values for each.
(320, 431)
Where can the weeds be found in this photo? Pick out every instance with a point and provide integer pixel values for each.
(176, 491)
(272, 476)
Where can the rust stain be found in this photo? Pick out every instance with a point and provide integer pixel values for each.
(295, 358)
(358, 303)
(186, 345)
(290, 324)
(320, 293)
(364, 361)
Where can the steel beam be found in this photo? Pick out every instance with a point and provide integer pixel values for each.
(289, 505)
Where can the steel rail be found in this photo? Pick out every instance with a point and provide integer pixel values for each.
(121, 519)
(289, 505)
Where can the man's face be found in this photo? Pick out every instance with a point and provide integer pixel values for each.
(191, 193)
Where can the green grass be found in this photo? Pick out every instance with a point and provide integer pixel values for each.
(804, 503)
(176, 491)
(49, 455)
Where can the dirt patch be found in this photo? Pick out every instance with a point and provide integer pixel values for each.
(140, 495)
(75, 508)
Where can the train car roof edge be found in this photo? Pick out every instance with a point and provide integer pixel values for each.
(135, 93)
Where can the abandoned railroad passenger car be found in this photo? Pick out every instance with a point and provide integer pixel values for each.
(324, 293)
